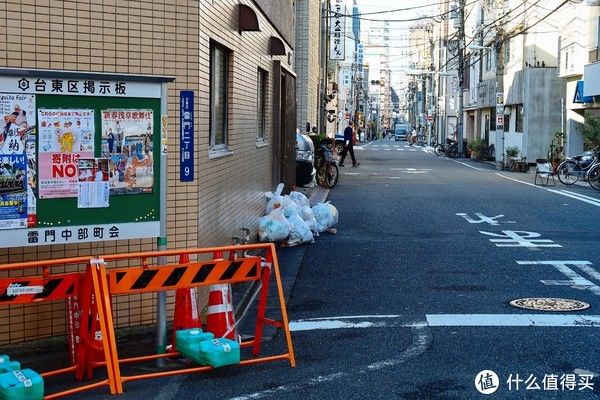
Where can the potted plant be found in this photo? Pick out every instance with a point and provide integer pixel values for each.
(479, 149)
(512, 151)
(556, 154)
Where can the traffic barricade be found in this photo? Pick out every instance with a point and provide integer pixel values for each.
(84, 346)
(146, 278)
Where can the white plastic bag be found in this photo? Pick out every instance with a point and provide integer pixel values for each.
(299, 232)
(273, 227)
(275, 199)
(307, 214)
(326, 215)
(300, 199)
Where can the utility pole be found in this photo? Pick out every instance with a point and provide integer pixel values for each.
(499, 48)
(461, 74)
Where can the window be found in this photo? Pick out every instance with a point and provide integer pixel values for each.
(507, 122)
(488, 60)
(493, 119)
(219, 82)
(507, 52)
(519, 118)
(261, 104)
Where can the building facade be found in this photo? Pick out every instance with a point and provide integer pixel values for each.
(238, 64)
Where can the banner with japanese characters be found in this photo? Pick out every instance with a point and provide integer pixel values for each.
(65, 136)
(93, 183)
(337, 31)
(13, 191)
(127, 139)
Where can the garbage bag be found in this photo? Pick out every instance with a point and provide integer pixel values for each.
(300, 199)
(307, 214)
(275, 199)
(326, 215)
(299, 232)
(273, 227)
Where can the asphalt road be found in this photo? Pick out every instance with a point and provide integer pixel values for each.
(410, 299)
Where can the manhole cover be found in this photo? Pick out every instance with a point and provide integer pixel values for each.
(549, 304)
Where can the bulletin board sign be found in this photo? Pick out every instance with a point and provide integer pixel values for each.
(80, 158)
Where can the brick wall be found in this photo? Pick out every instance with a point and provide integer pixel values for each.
(160, 37)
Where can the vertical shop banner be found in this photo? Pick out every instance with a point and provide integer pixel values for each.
(13, 191)
(18, 136)
(93, 185)
(127, 139)
(186, 140)
(65, 136)
(337, 31)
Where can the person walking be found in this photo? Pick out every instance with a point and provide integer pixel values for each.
(349, 145)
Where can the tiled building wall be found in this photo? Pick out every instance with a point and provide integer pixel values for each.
(159, 37)
(308, 34)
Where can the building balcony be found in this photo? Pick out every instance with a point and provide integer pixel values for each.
(594, 55)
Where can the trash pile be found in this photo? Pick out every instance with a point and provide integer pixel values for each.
(290, 218)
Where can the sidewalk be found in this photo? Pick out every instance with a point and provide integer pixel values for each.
(290, 260)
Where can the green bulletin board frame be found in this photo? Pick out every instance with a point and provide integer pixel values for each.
(122, 208)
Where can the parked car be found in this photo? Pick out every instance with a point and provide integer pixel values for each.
(305, 159)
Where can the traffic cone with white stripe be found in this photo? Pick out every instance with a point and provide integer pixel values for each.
(186, 307)
(219, 317)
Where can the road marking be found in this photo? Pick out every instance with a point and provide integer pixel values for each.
(514, 320)
(448, 320)
(470, 166)
(519, 239)
(421, 340)
(575, 280)
(586, 199)
(482, 218)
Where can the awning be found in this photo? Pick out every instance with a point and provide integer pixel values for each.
(248, 21)
(579, 98)
(277, 47)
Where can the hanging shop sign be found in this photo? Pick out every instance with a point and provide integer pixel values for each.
(337, 30)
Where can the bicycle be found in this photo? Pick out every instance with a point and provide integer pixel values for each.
(569, 171)
(327, 169)
(594, 176)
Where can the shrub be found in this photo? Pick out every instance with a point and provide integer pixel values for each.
(512, 151)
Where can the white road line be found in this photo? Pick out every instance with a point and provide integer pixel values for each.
(470, 166)
(512, 320)
(576, 197)
(586, 199)
(422, 339)
(450, 320)
(582, 195)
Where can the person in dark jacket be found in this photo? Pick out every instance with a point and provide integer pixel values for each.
(349, 145)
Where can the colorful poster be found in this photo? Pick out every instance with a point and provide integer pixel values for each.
(127, 138)
(18, 119)
(65, 136)
(13, 191)
(93, 182)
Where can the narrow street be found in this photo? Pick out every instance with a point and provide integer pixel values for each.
(410, 299)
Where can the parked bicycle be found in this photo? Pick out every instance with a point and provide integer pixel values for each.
(450, 148)
(594, 176)
(569, 171)
(327, 169)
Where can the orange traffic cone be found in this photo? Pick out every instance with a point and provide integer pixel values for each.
(186, 307)
(219, 316)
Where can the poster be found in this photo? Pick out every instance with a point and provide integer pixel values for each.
(18, 118)
(93, 186)
(127, 139)
(13, 191)
(65, 136)
(18, 136)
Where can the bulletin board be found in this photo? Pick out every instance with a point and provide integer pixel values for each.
(80, 158)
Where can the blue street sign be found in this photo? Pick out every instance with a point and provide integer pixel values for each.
(186, 139)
